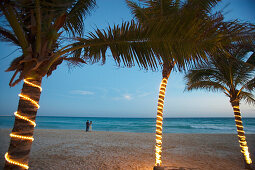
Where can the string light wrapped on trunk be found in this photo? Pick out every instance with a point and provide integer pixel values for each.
(240, 131)
(21, 137)
(159, 122)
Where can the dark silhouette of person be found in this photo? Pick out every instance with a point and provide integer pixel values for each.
(87, 126)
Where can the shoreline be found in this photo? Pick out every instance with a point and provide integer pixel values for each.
(99, 131)
(76, 149)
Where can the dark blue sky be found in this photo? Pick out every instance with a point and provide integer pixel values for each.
(109, 91)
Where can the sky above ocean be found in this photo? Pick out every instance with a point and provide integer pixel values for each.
(111, 91)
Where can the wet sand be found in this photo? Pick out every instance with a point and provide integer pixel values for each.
(77, 150)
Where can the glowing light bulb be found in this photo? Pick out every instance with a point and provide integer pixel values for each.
(33, 85)
(159, 122)
(14, 162)
(242, 140)
(29, 99)
(24, 118)
(21, 137)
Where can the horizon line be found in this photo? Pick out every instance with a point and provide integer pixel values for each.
(127, 117)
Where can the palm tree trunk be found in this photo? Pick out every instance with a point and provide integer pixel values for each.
(17, 156)
(159, 122)
(241, 135)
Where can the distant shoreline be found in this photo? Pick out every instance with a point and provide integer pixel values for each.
(98, 131)
(136, 117)
(140, 125)
(117, 132)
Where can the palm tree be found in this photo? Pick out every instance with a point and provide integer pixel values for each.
(235, 78)
(178, 38)
(194, 23)
(36, 27)
(166, 41)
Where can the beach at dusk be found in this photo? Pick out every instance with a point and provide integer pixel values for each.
(76, 149)
(127, 85)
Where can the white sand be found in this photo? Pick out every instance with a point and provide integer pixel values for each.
(76, 149)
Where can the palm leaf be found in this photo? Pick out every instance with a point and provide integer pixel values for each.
(251, 59)
(225, 73)
(8, 36)
(75, 17)
(247, 97)
(251, 85)
(207, 85)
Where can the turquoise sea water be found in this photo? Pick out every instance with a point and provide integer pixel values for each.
(144, 125)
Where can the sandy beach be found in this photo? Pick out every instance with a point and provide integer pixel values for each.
(76, 149)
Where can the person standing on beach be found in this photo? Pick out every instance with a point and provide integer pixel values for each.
(87, 125)
(90, 126)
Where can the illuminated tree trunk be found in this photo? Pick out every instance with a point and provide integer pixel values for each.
(159, 122)
(240, 134)
(17, 156)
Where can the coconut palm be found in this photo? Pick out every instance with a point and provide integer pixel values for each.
(169, 33)
(36, 27)
(164, 41)
(192, 21)
(233, 77)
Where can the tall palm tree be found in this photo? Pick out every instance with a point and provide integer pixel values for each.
(193, 22)
(235, 78)
(178, 44)
(36, 27)
(179, 38)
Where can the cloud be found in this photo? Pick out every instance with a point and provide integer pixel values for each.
(127, 97)
(123, 97)
(130, 96)
(143, 94)
(82, 92)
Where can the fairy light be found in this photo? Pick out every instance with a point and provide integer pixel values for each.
(21, 137)
(29, 99)
(242, 140)
(14, 162)
(24, 118)
(159, 122)
(32, 84)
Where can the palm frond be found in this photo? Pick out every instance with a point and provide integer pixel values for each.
(127, 43)
(247, 97)
(8, 36)
(75, 17)
(204, 6)
(251, 59)
(207, 85)
(224, 72)
(11, 16)
(251, 85)
(243, 74)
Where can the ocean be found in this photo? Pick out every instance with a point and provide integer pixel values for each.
(141, 125)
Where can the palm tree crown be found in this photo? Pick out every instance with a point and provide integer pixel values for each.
(36, 26)
(234, 77)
